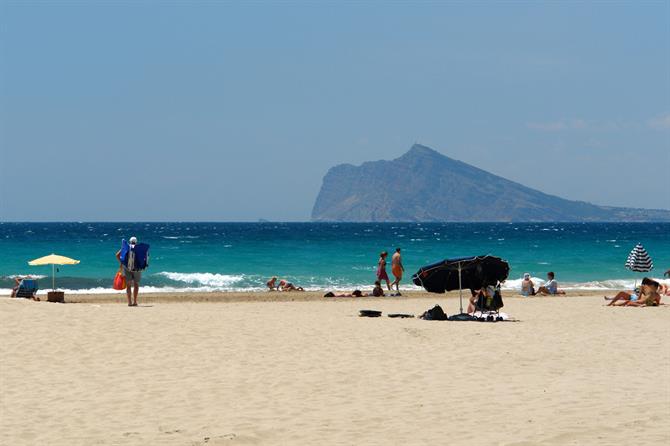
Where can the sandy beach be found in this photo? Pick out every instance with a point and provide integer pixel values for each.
(298, 369)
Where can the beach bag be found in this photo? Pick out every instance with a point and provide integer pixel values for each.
(119, 281)
(434, 314)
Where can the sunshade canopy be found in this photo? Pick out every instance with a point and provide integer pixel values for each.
(475, 273)
(53, 259)
(639, 260)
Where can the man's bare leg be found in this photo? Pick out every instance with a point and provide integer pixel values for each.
(136, 290)
(128, 292)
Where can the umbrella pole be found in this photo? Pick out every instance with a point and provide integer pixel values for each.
(53, 277)
(460, 291)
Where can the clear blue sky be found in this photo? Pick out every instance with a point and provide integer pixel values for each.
(227, 111)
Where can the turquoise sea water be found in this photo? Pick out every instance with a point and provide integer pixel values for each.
(242, 256)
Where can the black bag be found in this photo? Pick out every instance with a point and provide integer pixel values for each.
(434, 314)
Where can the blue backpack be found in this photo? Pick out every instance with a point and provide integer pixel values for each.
(138, 253)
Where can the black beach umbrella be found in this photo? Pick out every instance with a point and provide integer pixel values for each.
(639, 260)
(462, 273)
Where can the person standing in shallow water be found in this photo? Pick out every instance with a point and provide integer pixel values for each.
(397, 269)
(381, 269)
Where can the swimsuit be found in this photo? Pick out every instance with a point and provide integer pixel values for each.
(381, 271)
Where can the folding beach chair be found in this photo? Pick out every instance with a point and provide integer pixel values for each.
(27, 288)
(489, 308)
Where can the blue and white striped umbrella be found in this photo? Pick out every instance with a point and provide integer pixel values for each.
(639, 260)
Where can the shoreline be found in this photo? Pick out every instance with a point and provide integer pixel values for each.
(294, 296)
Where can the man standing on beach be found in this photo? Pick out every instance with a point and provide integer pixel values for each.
(397, 269)
(134, 258)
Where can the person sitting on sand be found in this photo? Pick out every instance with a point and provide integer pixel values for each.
(550, 287)
(17, 285)
(378, 291)
(487, 292)
(652, 299)
(527, 285)
(272, 284)
(646, 295)
(288, 286)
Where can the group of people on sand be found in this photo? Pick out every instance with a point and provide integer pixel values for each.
(550, 287)
(397, 269)
(275, 284)
(647, 295)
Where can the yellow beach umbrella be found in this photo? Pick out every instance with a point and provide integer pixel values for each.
(53, 260)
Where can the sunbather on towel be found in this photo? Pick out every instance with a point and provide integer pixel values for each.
(288, 286)
(355, 293)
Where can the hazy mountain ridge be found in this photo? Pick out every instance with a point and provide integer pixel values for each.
(424, 185)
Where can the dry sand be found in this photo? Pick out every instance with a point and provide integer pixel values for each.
(310, 372)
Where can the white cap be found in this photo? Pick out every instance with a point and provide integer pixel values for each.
(133, 240)
(526, 276)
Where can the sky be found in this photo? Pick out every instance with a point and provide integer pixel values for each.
(225, 111)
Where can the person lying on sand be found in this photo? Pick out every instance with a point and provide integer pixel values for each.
(550, 287)
(288, 286)
(355, 293)
(646, 296)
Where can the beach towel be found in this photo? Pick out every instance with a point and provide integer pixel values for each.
(491, 316)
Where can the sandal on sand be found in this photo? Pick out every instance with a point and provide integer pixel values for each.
(401, 315)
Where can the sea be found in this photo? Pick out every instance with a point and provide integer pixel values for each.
(207, 257)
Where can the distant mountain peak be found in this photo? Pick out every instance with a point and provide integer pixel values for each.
(421, 150)
(425, 185)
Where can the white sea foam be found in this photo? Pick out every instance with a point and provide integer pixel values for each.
(204, 279)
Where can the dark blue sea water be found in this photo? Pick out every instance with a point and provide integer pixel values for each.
(241, 256)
